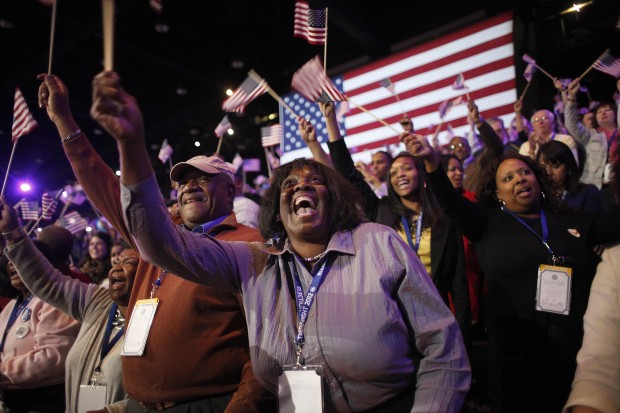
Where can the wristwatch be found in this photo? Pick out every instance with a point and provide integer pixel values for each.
(14, 234)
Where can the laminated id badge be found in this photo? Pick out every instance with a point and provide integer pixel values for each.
(300, 389)
(553, 289)
(91, 398)
(139, 327)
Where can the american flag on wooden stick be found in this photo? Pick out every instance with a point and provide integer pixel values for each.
(310, 24)
(249, 90)
(312, 82)
(23, 122)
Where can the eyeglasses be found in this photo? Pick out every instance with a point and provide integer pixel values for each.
(458, 145)
(539, 119)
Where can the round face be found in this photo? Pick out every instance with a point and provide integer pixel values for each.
(305, 206)
(542, 122)
(404, 177)
(379, 165)
(460, 148)
(606, 117)
(16, 282)
(121, 276)
(115, 252)
(204, 197)
(97, 249)
(518, 187)
(455, 173)
(587, 119)
(558, 172)
(499, 129)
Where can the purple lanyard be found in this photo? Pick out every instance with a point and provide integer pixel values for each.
(304, 305)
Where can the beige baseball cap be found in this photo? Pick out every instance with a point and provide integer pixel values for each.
(208, 164)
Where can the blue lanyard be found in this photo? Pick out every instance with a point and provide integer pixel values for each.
(107, 345)
(304, 305)
(418, 232)
(545, 231)
(17, 310)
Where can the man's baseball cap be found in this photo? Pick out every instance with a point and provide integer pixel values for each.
(208, 164)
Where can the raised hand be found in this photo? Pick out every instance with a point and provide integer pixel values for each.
(54, 97)
(8, 216)
(306, 130)
(418, 146)
(116, 110)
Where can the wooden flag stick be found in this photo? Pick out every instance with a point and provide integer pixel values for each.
(401, 105)
(52, 31)
(219, 146)
(273, 94)
(108, 35)
(543, 70)
(268, 163)
(325, 45)
(592, 65)
(65, 207)
(525, 91)
(363, 109)
(8, 168)
(435, 138)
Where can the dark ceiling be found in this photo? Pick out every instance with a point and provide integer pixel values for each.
(195, 57)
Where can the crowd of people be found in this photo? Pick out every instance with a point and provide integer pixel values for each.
(352, 288)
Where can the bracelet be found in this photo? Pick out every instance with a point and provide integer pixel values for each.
(72, 136)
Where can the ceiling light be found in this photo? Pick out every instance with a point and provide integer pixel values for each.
(272, 116)
(237, 64)
(576, 7)
(229, 92)
(231, 131)
(197, 144)
(181, 91)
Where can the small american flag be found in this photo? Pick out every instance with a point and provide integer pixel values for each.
(387, 83)
(23, 122)
(165, 152)
(251, 165)
(271, 135)
(249, 90)
(310, 24)
(30, 209)
(222, 127)
(156, 5)
(49, 202)
(530, 69)
(312, 82)
(528, 59)
(608, 64)
(343, 109)
(446, 105)
(74, 222)
(459, 82)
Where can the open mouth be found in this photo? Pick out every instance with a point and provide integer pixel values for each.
(524, 192)
(116, 282)
(304, 206)
(403, 183)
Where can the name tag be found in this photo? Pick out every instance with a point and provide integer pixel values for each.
(91, 398)
(139, 326)
(553, 290)
(300, 390)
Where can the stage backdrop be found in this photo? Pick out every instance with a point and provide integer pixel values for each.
(422, 77)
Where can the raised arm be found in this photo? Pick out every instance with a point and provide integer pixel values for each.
(99, 182)
(470, 218)
(493, 145)
(575, 128)
(308, 134)
(69, 295)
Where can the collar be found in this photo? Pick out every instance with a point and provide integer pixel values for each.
(215, 224)
(340, 241)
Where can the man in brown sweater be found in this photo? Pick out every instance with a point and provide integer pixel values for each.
(196, 356)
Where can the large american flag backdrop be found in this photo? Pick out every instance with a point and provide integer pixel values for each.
(422, 77)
